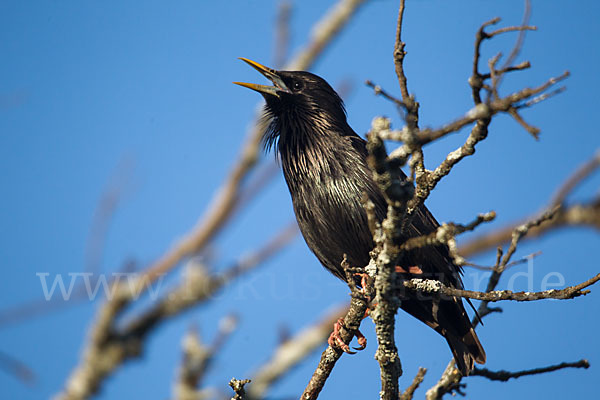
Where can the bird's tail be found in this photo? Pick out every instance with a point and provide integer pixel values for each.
(449, 318)
(466, 350)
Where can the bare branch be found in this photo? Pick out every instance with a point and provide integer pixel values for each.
(449, 381)
(481, 111)
(42, 306)
(412, 107)
(226, 198)
(329, 357)
(410, 391)
(435, 286)
(197, 357)
(445, 234)
(110, 346)
(518, 67)
(89, 375)
(522, 260)
(583, 172)
(380, 92)
(529, 128)
(17, 368)
(292, 351)
(451, 377)
(397, 192)
(323, 32)
(107, 205)
(410, 104)
(517, 235)
(575, 215)
(238, 387)
(520, 39)
(504, 376)
(282, 33)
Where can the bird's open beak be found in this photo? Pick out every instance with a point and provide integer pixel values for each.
(270, 74)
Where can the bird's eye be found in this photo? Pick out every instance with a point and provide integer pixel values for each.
(297, 85)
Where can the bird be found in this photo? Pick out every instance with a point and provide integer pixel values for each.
(324, 163)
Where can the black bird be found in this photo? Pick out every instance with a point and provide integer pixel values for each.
(324, 163)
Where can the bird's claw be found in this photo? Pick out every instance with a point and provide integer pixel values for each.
(335, 340)
(362, 341)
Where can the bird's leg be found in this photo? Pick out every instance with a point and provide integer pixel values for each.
(335, 340)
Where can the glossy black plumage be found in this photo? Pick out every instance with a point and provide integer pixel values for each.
(325, 167)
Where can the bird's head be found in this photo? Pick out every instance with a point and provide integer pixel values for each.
(299, 102)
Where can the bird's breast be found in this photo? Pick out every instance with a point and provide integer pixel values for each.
(327, 202)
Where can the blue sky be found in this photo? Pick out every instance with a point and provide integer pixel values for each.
(143, 90)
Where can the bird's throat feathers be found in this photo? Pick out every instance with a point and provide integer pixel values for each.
(305, 140)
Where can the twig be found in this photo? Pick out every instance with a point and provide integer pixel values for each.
(282, 33)
(323, 31)
(509, 265)
(411, 106)
(17, 368)
(481, 115)
(417, 165)
(329, 357)
(380, 92)
(574, 215)
(587, 214)
(110, 346)
(517, 235)
(226, 198)
(291, 352)
(520, 39)
(88, 376)
(504, 376)
(449, 381)
(518, 67)
(445, 234)
(107, 205)
(584, 171)
(238, 387)
(42, 306)
(410, 391)
(435, 286)
(197, 358)
(480, 111)
(542, 97)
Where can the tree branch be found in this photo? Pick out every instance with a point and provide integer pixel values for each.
(292, 351)
(109, 345)
(410, 391)
(436, 287)
(197, 357)
(504, 376)
(238, 387)
(329, 357)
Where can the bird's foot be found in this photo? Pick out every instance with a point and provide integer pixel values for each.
(413, 269)
(364, 282)
(361, 339)
(335, 339)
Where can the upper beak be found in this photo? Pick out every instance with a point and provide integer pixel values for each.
(270, 74)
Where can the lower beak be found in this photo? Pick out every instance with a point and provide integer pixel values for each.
(272, 90)
(271, 74)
